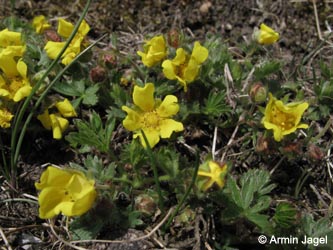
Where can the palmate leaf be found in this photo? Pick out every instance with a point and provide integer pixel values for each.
(267, 69)
(78, 89)
(75, 88)
(250, 198)
(215, 104)
(86, 231)
(90, 97)
(92, 133)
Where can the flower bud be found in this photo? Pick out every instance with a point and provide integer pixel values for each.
(263, 145)
(98, 74)
(315, 153)
(127, 77)
(109, 60)
(173, 38)
(258, 93)
(39, 76)
(52, 35)
(145, 204)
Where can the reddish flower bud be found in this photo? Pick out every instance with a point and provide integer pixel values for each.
(315, 153)
(145, 204)
(52, 35)
(173, 38)
(98, 74)
(109, 60)
(263, 145)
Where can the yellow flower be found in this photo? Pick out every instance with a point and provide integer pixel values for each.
(5, 118)
(266, 35)
(152, 116)
(211, 172)
(283, 119)
(183, 67)
(65, 29)
(56, 122)
(18, 86)
(68, 192)
(40, 24)
(154, 51)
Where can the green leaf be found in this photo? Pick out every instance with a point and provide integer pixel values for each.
(318, 228)
(215, 104)
(118, 95)
(262, 221)
(92, 133)
(168, 161)
(75, 88)
(250, 198)
(86, 227)
(262, 204)
(235, 191)
(90, 97)
(266, 70)
(248, 184)
(134, 219)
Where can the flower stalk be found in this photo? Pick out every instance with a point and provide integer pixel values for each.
(17, 137)
(154, 166)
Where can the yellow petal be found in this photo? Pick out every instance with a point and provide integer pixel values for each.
(191, 71)
(167, 126)
(45, 120)
(53, 48)
(144, 97)
(199, 53)
(267, 35)
(180, 57)
(84, 28)
(49, 200)
(169, 70)
(4, 92)
(64, 28)
(40, 24)
(53, 176)
(7, 60)
(59, 125)
(8, 38)
(168, 107)
(22, 68)
(155, 51)
(83, 193)
(22, 93)
(132, 121)
(152, 136)
(65, 108)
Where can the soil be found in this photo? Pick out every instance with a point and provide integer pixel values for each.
(131, 21)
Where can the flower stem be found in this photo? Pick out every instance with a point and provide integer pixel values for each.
(153, 163)
(16, 144)
(180, 204)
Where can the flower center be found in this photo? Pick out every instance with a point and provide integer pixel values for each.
(15, 85)
(151, 120)
(180, 70)
(69, 196)
(284, 120)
